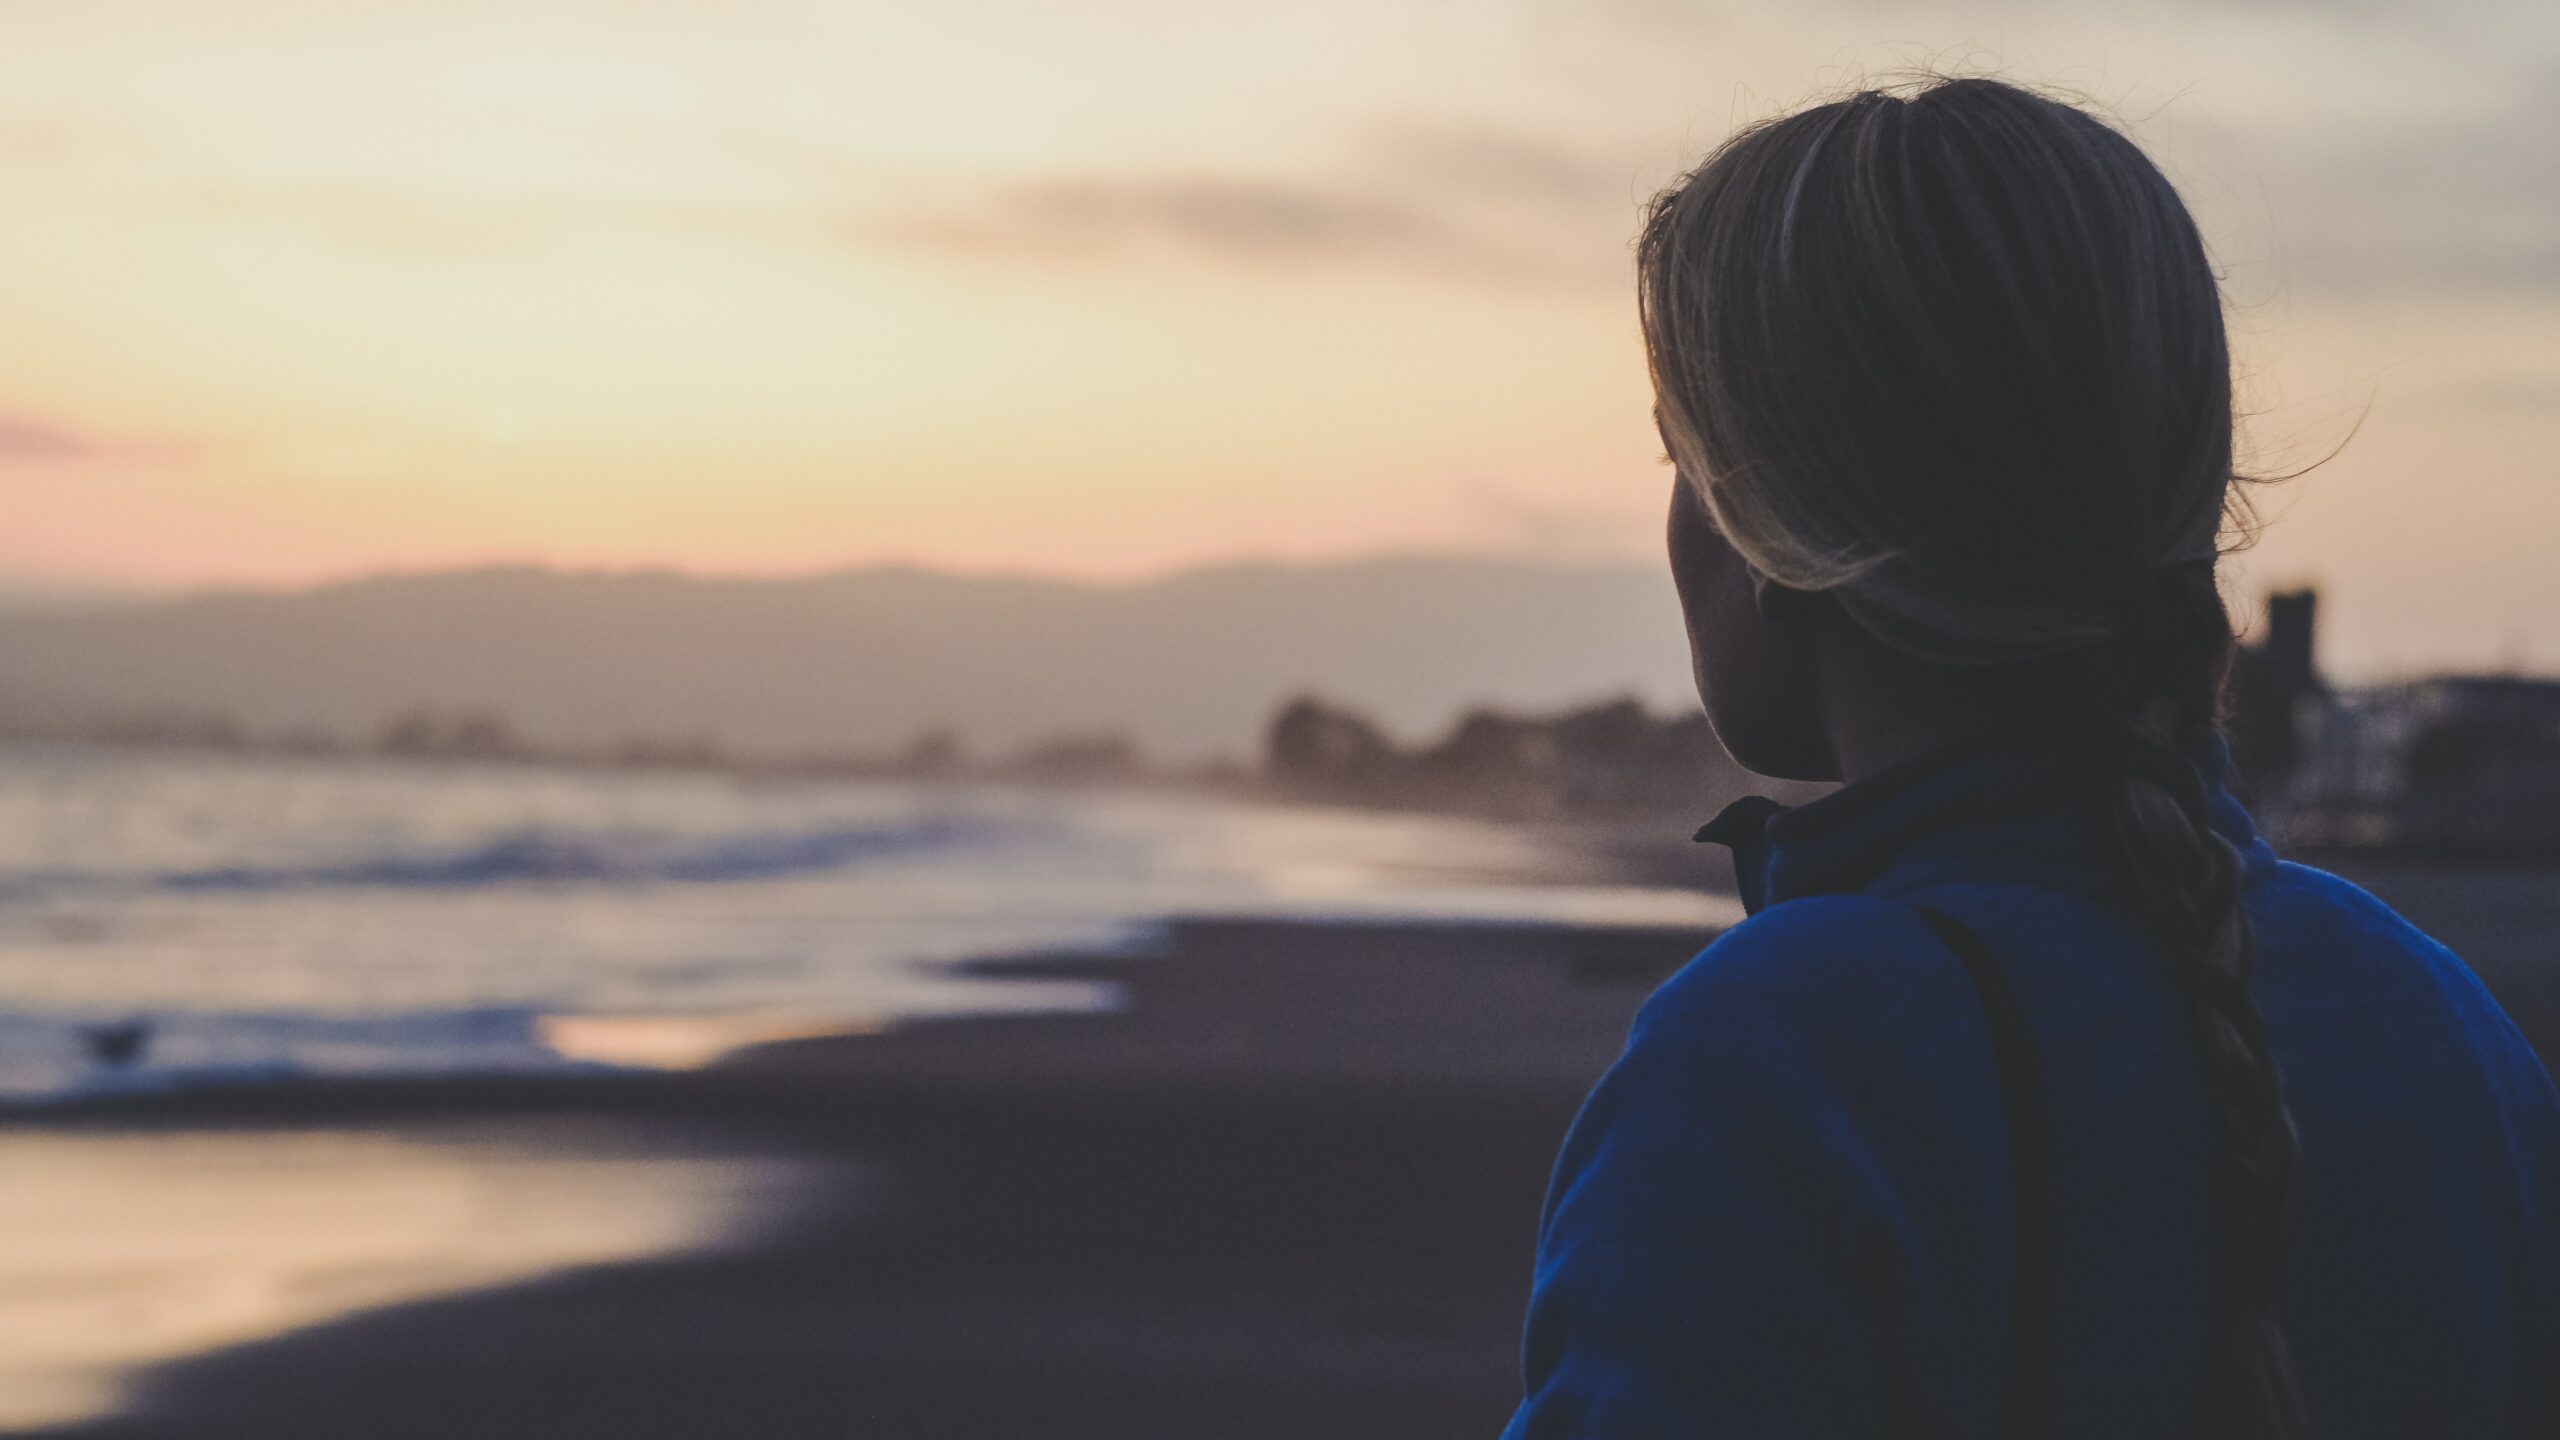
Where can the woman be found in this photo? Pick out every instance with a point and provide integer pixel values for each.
(2037, 1097)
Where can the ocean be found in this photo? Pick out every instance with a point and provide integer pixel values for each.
(178, 918)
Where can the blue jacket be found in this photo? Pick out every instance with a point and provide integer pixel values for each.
(1786, 1209)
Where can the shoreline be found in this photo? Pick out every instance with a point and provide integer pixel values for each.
(1193, 996)
(1289, 1186)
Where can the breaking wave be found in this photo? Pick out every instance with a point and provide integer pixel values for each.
(553, 857)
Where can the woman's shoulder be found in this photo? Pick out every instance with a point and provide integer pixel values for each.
(2293, 895)
(2321, 933)
(1829, 980)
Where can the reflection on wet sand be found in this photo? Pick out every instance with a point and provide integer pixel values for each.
(129, 1247)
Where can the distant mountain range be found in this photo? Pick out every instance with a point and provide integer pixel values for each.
(1188, 666)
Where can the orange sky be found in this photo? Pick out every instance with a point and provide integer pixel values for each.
(293, 289)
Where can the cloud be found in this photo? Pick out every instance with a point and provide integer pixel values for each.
(2471, 204)
(1072, 218)
(35, 440)
(1489, 163)
(29, 441)
(37, 140)
(1455, 197)
(1253, 222)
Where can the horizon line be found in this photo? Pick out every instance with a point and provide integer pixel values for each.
(23, 592)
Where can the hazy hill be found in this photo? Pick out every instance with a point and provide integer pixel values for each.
(862, 659)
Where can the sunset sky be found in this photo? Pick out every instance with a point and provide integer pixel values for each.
(291, 291)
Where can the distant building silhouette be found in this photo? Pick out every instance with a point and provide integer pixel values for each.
(2273, 684)
(2460, 766)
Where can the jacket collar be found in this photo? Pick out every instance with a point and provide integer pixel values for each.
(1987, 807)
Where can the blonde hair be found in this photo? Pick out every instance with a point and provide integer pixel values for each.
(1932, 356)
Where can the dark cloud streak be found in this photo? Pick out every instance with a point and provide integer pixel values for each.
(1088, 219)
(1502, 165)
(35, 440)
(1248, 221)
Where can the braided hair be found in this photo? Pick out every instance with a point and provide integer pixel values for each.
(2184, 880)
(1955, 359)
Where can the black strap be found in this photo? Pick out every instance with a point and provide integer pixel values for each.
(2026, 1408)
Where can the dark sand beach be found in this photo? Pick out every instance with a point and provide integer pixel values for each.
(1289, 1190)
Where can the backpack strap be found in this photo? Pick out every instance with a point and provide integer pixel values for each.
(2026, 1407)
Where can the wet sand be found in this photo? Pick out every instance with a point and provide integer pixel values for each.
(131, 1246)
(1290, 1190)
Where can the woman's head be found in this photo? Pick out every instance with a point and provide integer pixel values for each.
(1945, 380)
(1953, 363)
